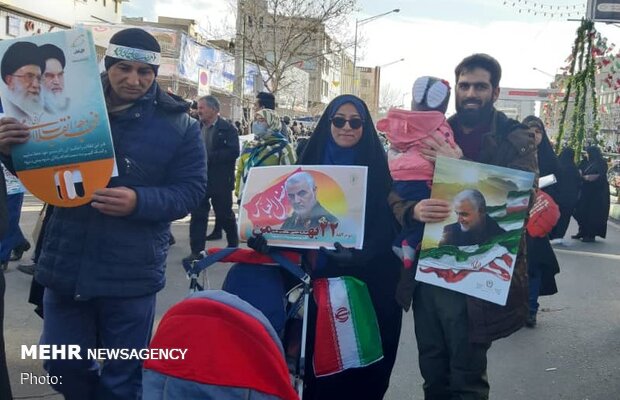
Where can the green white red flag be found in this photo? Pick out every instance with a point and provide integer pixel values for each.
(347, 332)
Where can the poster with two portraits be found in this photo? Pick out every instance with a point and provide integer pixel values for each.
(51, 83)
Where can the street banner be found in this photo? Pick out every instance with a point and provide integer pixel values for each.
(474, 250)
(305, 206)
(51, 83)
(603, 10)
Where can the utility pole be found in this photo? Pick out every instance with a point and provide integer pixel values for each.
(237, 100)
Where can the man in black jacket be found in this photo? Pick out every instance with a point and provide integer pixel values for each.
(222, 143)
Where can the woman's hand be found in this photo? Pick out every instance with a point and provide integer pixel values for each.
(259, 243)
(437, 145)
(431, 210)
(342, 255)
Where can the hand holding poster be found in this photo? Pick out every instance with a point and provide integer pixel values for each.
(305, 206)
(51, 84)
(475, 250)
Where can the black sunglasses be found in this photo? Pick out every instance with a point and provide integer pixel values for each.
(354, 123)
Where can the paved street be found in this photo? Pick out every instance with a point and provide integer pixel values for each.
(573, 354)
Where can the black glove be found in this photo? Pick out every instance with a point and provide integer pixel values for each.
(342, 255)
(259, 243)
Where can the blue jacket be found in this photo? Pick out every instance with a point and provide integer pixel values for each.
(161, 155)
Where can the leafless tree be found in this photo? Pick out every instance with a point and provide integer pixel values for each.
(282, 34)
(390, 97)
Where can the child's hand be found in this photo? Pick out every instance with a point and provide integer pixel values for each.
(437, 145)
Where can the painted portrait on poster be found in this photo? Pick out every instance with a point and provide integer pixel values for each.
(51, 83)
(475, 249)
(305, 206)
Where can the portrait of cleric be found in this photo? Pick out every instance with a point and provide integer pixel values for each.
(55, 98)
(34, 79)
(473, 225)
(301, 192)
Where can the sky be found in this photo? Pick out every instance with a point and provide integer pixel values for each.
(432, 36)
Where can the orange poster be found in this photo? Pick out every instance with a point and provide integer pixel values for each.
(51, 83)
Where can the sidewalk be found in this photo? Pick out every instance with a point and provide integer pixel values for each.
(610, 246)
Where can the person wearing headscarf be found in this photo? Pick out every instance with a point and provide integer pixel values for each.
(269, 147)
(345, 135)
(542, 264)
(570, 187)
(592, 208)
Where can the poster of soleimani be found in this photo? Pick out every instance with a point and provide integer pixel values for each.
(305, 206)
(475, 249)
(51, 83)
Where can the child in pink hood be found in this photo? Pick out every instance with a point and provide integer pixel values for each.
(411, 172)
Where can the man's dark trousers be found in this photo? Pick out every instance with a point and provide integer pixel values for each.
(108, 323)
(222, 206)
(452, 367)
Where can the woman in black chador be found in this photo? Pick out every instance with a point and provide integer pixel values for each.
(542, 265)
(569, 189)
(345, 135)
(376, 264)
(593, 206)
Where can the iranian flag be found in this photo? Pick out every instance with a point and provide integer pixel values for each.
(453, 264)
(497, 261)
(347, 332)
(517, 201)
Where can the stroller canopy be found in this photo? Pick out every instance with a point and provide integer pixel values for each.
(231, 350)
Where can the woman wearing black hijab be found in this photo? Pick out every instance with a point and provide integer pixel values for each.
(570, 179)
(592, 208)
(345, 135)
(542, 265)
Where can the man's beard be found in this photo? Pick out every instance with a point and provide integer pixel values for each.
(465, 228)
(55, 102)
(471, 117)
(28, 103)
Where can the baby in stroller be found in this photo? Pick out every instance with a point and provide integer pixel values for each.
(228, 335)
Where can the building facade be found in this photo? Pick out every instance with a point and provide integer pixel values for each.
(370, 88)
(609, 108)
(274, 39)
(20, 18)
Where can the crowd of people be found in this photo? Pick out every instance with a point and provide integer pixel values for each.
(100, 266)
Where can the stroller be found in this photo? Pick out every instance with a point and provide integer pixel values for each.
(246, 341)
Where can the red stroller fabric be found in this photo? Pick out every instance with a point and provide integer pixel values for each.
(226, 345)
(253, 257)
